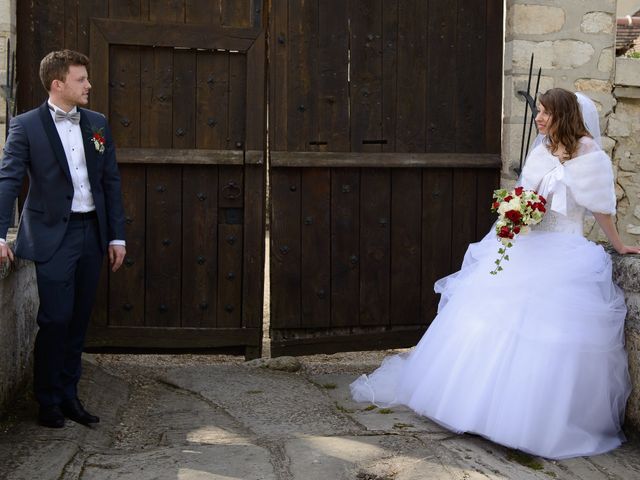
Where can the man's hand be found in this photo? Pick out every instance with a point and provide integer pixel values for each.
(5, 253)
(116, 256)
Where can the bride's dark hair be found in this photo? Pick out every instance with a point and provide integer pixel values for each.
(567, 126)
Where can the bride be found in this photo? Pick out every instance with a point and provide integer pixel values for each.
(532, 358)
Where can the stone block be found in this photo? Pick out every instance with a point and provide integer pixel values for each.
(633, 229)
(627, 92)
(597, 22)
(535, 19)
(552, 54)
(605, 62)
(627, 72)
(618, 127)
(592, 85)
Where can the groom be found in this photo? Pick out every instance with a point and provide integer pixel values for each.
(72, 216)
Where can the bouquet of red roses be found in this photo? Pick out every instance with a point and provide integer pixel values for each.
(517, 210)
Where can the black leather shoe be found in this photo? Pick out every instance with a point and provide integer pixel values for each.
(74, 410)
(51, 417)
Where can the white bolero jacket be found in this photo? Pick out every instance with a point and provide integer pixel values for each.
(584, 183)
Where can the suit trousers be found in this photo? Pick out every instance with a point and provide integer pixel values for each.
(67, 285)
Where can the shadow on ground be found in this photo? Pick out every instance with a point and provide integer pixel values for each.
(213, 417)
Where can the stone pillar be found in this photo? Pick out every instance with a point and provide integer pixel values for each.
(7, 31)
(624, 128)
(574, 44)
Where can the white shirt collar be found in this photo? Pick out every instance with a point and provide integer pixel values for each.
(54, 107)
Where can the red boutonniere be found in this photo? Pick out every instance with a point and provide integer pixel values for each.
(97, 138)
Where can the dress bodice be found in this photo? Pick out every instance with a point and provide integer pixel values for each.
(572, 222)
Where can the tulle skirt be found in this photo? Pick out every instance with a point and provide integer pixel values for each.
(532, 358)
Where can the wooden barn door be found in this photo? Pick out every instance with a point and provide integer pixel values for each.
(183, 86)
(385, 123)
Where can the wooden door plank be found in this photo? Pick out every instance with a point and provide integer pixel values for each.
(437, 200)
(27, 71)
(156, 98)
(71, 24)
(494, 75)
(301, 78)
(201, 11)
(236, 13)
(464, 213)
(163, 246)
(127, 286)
(443, 86)
(49, 23)
(255, 114)
(184, 98)
(124, 82)
(125, 9)
(471, 101)
(237, 101)
(315, 249)
(255, 183)
(212, 103)
(366, 75)
(285, 248)
(332, 93)
(229, 276)
(167, 11)
(88, 9)
(366, 136)
(279, 40)
(390, 25)
(375, 201)
(329, 131)
(199, 246)
(254, 245)
(345, 247)
(412, 80)
(406, 248)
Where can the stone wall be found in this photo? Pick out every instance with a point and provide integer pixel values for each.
(7, 30)
(18, 308)
(626, 272)
(624, 128)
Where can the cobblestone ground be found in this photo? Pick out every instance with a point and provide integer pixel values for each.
(195, 417)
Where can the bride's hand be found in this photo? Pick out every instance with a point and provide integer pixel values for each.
(625, 249)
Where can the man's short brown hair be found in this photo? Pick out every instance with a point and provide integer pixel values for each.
(55, 66)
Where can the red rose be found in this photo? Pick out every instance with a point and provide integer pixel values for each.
(518, 191)
(516, 230)
(504, 232)
(513, 215)
(508, 198)
(542, 199)
(539, 206)
(496, 205)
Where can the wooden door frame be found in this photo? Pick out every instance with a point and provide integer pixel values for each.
(252, 43)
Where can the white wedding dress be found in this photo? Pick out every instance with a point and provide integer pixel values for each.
(532, 358)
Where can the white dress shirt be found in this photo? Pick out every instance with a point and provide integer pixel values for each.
(71, 138)
(72, 143)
